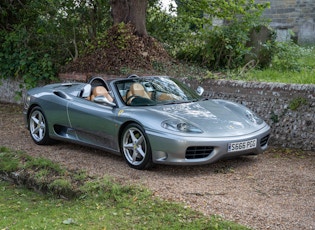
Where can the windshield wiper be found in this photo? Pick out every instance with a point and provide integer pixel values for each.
(171, 103)
(179, 102)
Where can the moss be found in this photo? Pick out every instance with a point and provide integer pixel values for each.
(297, 102)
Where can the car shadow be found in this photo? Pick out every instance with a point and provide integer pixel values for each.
(225, 166)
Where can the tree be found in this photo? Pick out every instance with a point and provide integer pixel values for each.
(9, 13)
(130, 11)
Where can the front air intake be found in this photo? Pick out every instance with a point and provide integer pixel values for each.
(264, 140)
(197, 152)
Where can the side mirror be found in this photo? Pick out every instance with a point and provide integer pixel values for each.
(200, 90)
(103, 100)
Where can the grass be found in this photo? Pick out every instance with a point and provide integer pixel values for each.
(294, 71)
(270, 75)
(100, 203)
(24, 209)
(299, 70)
(295, 65)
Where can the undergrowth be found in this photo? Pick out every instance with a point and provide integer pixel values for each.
(292, 64)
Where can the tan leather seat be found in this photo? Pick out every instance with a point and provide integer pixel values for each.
(165, 97)
(168, 97)
(136, 89)
(101, 91)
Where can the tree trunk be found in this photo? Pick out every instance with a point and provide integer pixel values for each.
(130, 11)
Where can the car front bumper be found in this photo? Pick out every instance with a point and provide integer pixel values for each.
(172, 149)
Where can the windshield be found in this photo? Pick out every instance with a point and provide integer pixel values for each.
(154, 90)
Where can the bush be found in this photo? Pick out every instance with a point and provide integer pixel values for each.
(218, 47)
(17, 59)
(286, 56)
(39, 36)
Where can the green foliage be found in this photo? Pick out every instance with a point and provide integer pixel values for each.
(61, 186)
(80, 175)
(43, 163)
(299, 70)
(39, 36)
(9, 162)
(270, 75)
(123, 35)
(297, 102)
(119, 39)
(23, 209)
(36, 39)
(222, 47)
(166, 27)
(215, 47)
(286, 57)
(17, 59)
(41, 175)
(105, 189)
(274, 117)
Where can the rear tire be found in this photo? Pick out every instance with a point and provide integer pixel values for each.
(135, 147)
(38, 127)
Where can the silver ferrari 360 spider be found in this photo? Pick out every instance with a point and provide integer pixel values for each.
(148, 120)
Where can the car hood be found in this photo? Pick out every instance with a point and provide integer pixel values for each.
(213, 117)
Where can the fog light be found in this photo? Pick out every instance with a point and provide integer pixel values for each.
(161, 156)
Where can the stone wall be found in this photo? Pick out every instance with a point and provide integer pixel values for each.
(295, 15)
(288, 108)
(11, 91)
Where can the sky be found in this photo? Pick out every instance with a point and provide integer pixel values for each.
(166, 3)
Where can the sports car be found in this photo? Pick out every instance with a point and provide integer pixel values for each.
(148, 120)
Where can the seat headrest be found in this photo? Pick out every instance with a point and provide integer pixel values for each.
(138, 89)
(99, 90)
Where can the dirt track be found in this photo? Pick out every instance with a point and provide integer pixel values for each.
(275, 190)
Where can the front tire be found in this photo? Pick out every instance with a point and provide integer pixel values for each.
(135, 147)
(38, 127)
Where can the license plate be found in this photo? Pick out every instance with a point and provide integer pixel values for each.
(242, 145)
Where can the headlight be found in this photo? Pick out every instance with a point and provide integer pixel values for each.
(27, 100)
(253, 117)
(180, 126)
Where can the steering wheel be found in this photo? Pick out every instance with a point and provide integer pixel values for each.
(128, 100)
(154, 96)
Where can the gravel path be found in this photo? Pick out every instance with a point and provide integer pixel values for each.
(275, 190)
